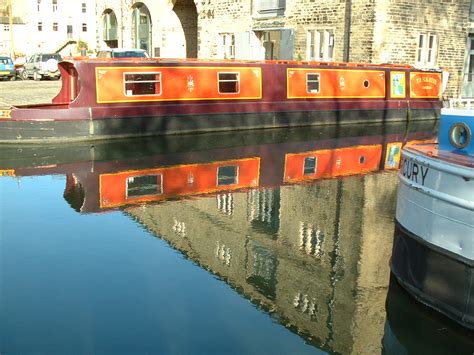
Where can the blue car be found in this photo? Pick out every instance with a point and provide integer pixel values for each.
(7, 68)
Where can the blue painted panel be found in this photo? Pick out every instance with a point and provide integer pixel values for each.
(457, 126)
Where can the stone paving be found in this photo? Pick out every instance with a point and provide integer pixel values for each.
(22, 92)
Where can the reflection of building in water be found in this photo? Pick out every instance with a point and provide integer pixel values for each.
(314, 255)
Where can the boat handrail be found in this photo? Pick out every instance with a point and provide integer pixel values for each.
(467, 104)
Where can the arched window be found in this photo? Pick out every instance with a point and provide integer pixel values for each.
(141, 27)
(109, 28)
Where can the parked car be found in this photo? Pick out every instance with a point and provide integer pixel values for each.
(122, 53)
(42, 65)
(7, 68)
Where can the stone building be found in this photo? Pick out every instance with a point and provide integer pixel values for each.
(428, 34)
(47, 26)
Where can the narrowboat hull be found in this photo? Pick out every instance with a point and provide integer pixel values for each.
(433, 251)
(115, 99)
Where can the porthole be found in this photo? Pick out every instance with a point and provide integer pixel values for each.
(366, 83)
(361, 159)
(460, 135)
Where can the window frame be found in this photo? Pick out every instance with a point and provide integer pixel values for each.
(40, 26)
(235, 177)
(320, 44)
(84, 27)
(54, 4)
(159, 190)
(427, 49)
(318, 81)
(219, 81)
(84, 8)
(125, 82)
(55, 27)
(314, 169)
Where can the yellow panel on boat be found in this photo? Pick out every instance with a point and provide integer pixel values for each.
(316, 83)
(138, 84)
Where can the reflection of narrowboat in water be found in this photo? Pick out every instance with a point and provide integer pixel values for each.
(104, 98)
(156, 172)
(433, 254)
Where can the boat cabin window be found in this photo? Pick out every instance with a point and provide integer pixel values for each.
(312, 83)
(310, 165)
(229, 83)
(145, 185)
(148, 83)
(227, 175)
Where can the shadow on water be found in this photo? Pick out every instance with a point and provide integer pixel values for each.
(413, 328)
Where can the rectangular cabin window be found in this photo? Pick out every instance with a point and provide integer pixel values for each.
(310, 165)
(312, 83)
(229, 83)
(146, 185)
(227, 175)
(148, 83)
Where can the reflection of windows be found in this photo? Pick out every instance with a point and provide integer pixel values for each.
(142, 83)
(229, 83)
(311, 239)
(310, 165)
(320, 45)
(227, 175)
(225, 203)
(144, 185)
(227, 45)
(312, 83)
(427, 50)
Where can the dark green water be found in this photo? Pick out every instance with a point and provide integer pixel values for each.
(277, 268)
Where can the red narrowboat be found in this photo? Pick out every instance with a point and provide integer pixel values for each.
(140, 97)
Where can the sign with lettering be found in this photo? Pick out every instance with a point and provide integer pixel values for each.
(425, 85)
(413, 171)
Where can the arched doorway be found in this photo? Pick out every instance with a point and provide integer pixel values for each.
(187, 14)
(109, 28)
(141, 27)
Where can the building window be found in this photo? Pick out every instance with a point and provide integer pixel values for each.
(142, 83)
(84, 8)
(40, 26)
(269, 7)
(227, 175)
(229, 83)
(6, 28)
(84, 27)
(146, 185)
(227, 45)
(38, 4)
(320, 45)
(471, 11)
(55, 26)
(55, 5)
(312, 83)
(427, 50)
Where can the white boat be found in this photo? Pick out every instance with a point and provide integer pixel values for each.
(433, 251)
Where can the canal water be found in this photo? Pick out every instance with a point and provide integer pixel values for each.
(262, 242)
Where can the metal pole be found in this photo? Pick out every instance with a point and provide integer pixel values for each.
(10, 18)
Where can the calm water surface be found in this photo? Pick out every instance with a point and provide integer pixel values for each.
(209, 244)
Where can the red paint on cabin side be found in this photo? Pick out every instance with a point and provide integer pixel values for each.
(120, 188)
(332, 163)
